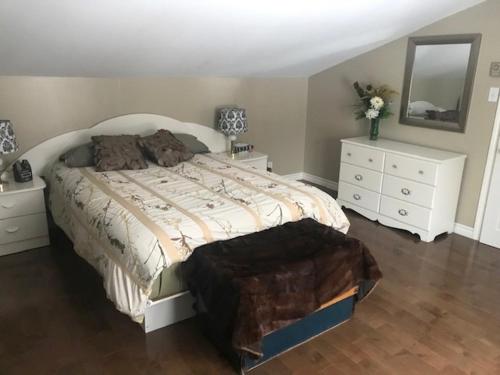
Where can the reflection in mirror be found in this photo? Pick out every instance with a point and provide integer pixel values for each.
(438, 81)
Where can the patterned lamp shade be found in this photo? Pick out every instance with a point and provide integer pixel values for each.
(7, 138)
(232, 121)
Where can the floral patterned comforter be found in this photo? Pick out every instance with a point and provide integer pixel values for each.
(130, 225)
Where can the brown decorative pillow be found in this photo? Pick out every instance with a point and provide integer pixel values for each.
(164, 149)
(116, 152)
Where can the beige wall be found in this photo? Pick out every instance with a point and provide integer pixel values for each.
(329, 116)
(442, 92)
(42, 107)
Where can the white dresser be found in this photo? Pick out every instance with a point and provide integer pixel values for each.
(401, 185)
(23, 221)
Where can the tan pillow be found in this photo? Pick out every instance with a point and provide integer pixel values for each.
(164, 149)
(116, 152)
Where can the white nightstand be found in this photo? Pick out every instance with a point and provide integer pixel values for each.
(254, 159)
(23, 221)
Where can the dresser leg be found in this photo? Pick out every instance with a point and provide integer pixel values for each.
(426, 237)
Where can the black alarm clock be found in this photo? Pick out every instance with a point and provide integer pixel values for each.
(22, 171)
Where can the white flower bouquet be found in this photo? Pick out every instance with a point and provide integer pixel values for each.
(374, 104)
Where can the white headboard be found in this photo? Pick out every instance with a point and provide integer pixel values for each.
(47, 152)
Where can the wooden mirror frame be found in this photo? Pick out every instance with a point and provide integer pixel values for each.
(475, 41)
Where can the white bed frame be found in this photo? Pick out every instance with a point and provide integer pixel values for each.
(47, 152)
(172, 309)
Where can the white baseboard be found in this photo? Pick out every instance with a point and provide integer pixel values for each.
(294, 176)
(332, 185)
(460, 229)
(464, 230)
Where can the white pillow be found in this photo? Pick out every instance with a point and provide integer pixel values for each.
(420, 107)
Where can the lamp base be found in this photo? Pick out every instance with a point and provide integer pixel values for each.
(231, 151)
(3, 184)
(4, 177)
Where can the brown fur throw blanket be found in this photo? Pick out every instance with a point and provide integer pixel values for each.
(252, 285)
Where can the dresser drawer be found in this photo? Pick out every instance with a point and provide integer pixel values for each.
(409, 191)
(359, 196)
(23, 228)
(413, 169)
(362, 177)
(25, 203)
(363, 156)
(405, 212)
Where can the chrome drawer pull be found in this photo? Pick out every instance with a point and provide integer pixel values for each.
(420, 172)
(405, 191)
(358, 177)
(5, 205)
(403, 212)
(395, 166)
(12, 230)
(356, 196)
(370, 160)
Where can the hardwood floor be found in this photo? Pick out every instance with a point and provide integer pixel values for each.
(437, 311)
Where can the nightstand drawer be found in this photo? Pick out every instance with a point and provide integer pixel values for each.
(23, 228)
(258, 164)
(252, 159)
(20, 204)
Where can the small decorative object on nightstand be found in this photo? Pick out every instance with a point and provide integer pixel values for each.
(232, 121)
(23, 221)
(254, 159)
(8, 144)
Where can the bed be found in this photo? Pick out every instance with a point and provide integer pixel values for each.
(136, 227)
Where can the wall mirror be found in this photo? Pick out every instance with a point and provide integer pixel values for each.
(438, 81)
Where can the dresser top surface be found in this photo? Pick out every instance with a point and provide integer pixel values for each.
(405, 148)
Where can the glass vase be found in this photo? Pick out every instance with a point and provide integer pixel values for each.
(374, 124)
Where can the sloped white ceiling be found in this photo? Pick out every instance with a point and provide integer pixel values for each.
(111, 38)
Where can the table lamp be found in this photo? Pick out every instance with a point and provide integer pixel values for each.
(7, 145)
(232, 121)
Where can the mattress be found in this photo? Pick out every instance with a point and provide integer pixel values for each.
(134, 227)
